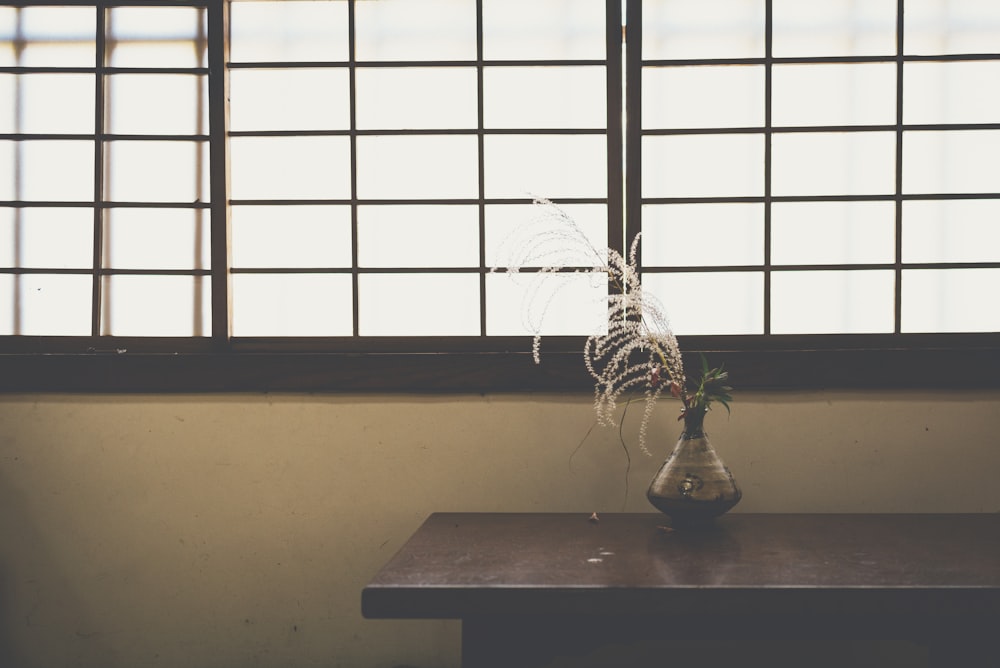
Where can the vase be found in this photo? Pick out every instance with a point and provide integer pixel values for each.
(693, 486)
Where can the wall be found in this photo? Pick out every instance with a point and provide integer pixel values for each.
(236, 531)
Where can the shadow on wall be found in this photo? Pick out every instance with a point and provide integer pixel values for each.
(43, 622)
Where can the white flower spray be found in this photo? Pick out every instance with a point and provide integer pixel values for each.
(638, 350)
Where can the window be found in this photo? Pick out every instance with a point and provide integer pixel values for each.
(310, 194)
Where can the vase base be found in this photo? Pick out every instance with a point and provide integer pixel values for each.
(692, 513)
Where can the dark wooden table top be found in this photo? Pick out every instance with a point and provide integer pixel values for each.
(459, 565)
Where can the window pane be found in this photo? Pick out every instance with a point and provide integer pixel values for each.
(157, 306)
(560, 97)
(289, 99)
(710, 303)
(546, 165)
(688, 235)
(834, 28)
(292, 305)
(46, 238)
(833, 232)
(423, 167)
(418, 236)
(26, 103)
(849, 163)
(952, 26)
(157, 103)
(526, 303)
(703, 165)
(951, 231)
(960, 92)
(50, 305)
(856, 94)
(157, 37)
(832, 302)
(514, 229)
(288, 30)
(702, 97)
(418, 304)
(53, 36)
(291, 236)
(290, 167)
(157, 238)
(951, 161)
(158, 171)
(685, 29)
(551, 30)
(47, 170)
(400, 30)
(951, 300)
(391, 98)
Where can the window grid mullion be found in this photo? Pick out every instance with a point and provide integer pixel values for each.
(353, 133)
(898, 222)
(481, 167)
(768, 131)
(100, 107)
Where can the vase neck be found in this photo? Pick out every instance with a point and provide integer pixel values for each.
(694, 423)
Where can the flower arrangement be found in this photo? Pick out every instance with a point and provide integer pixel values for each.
(638, 350)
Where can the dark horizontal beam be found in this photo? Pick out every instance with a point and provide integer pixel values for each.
(480, 372)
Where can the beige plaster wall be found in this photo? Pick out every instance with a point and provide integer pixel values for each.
(238, 530)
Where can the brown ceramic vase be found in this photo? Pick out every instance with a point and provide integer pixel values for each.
(693, 486)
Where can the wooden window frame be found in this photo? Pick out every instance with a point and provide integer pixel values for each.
(220, 363)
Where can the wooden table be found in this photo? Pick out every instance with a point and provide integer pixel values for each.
(562, 589)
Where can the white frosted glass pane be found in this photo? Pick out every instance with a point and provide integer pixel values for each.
(157, 238)
(289, 99)
(834, 28)
(288, 30)
(951, 26)
(47, 103)
(719, 29)
(290, 167)
(832, 302)
(550, 30)
(951, 300)
(415, 30)
(516, 231)
(703, 165)
(546, 165)
(397, 98)
(418, 305)
(702, 97)
(292, 305)
(157, 306)
(552, 304)
(849, 163)
(710, 303)
(50, 305)
(423, 166)
(291, 236)
(158, 171)
(833, 232)
(49, 170)
(418, 236)
(561, 97)
(689, 235)
(157, 103)
(856, 94)
(960, 92)
(55, 36)
(46, 238)
(951, 231)
(157, 37)
(963, 161)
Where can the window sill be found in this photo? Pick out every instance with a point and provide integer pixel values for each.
(850, 366)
